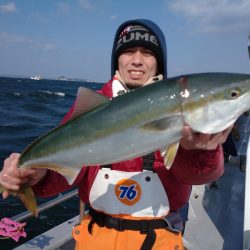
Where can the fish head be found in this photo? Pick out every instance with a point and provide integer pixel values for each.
(212, 102)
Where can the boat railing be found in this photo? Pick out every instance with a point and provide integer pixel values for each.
(58, 237)
(47, 205)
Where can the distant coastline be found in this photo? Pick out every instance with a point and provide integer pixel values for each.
(61, 78)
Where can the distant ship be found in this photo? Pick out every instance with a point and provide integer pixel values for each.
(62, 78)
(36, 77)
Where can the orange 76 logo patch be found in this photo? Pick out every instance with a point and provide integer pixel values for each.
(128, 191)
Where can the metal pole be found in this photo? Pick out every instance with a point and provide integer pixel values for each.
(82, 211)
(45, 206)
(246, 232)
(249, 45)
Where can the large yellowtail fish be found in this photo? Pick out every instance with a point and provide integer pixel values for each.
(104, 131)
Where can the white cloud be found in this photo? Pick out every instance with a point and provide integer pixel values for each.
(42, 18)
(86, 4)
(48, 47)
(64, 8)
(214, 15)
(12, 40)
(8, 8)
(114, 17)
(6, 38)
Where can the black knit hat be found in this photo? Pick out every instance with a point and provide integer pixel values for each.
(137, 35)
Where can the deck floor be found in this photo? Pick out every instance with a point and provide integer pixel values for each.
(216, 215)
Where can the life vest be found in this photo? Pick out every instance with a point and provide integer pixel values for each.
(129, 210)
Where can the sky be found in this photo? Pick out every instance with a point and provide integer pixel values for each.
(74, 38)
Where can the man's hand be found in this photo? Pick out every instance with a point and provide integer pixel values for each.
(11, 176)
(193, 140)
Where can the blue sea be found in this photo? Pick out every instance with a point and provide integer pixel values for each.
(28, 109)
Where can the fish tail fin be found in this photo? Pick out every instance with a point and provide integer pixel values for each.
(26, 195)
(28, 198)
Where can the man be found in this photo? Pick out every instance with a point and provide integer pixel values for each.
(131, 208)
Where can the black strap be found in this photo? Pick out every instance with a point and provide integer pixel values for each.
(123, 224)
(148, 162)
(144, 226)
(107, 166)
(149, 240)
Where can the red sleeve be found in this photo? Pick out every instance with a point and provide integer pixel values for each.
(190, 167)
(52, 184)
(198, 167)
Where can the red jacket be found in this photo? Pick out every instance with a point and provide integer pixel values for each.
(190, 167)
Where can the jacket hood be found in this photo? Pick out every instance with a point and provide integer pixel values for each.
(154, 29)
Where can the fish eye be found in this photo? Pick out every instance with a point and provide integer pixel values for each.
(234, 93)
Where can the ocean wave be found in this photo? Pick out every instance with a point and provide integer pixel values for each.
(52, 93)
(40, 93)
(28, 109)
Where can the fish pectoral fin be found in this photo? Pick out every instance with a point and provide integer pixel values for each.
(161, 124)
(169, 154)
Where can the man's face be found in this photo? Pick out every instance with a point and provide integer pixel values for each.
(136, 65)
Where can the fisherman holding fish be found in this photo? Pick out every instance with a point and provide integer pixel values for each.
(137, 203)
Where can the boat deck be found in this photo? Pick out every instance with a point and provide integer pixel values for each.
(215, 217)
(216, 214)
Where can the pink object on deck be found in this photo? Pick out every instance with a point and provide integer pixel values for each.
(12, 229)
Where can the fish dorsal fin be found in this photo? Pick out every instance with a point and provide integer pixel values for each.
(169, 154)
(87, 100)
